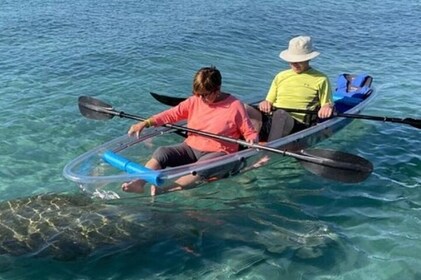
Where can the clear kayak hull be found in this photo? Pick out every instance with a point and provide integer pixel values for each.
(94, 175)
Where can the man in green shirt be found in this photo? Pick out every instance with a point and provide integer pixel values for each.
(301, 87)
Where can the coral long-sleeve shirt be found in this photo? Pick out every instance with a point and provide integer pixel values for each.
(226, 117)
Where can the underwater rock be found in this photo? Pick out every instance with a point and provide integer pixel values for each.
(70, 227)
(64, 227)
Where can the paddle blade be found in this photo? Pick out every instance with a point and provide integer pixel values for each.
(167, 100)
(340, 166)
(413, 122)
(92, 108)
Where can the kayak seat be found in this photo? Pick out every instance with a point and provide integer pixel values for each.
(351, 90)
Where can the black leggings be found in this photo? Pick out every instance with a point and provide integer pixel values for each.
(181, 154)
(279, 124)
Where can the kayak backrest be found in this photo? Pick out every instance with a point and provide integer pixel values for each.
(255, 116)
(351, 90)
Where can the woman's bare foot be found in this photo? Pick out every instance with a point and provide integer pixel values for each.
(157, 190)
(154, 190)
(135, 186)
(262, 161)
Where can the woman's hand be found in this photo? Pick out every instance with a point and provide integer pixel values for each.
(265, 106)
(325, 111)
(136, 129)
(253, 141)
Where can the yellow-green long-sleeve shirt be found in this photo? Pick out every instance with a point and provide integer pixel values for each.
(308, 90)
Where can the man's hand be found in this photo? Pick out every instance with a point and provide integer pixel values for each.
(265, 106)
(325, 111)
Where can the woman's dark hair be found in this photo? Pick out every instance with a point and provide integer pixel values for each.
(207, 79)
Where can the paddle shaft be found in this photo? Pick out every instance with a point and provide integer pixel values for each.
(316, 160)
(410, 121)
(173, 101)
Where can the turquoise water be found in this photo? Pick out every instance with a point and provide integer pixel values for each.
(277, 222)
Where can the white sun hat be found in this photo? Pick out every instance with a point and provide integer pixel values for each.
(299, 49)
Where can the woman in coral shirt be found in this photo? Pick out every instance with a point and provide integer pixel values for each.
(210, 110)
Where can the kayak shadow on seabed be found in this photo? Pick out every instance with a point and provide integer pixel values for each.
(72, 229)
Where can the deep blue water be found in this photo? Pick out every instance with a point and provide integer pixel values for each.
(277, 222)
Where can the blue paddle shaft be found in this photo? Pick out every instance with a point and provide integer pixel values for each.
(120, 162)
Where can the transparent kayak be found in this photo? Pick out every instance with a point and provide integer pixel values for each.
(102, 170)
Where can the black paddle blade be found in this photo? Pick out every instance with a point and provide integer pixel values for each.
(413, 122)
(167, 100)
(339, 166)
(92, 108)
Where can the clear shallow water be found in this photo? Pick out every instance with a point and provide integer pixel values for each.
(279, 221)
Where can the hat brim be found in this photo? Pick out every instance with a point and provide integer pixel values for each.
(285, 55)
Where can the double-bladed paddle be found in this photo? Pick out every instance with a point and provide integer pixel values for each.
(174, 101)
(330, 164)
